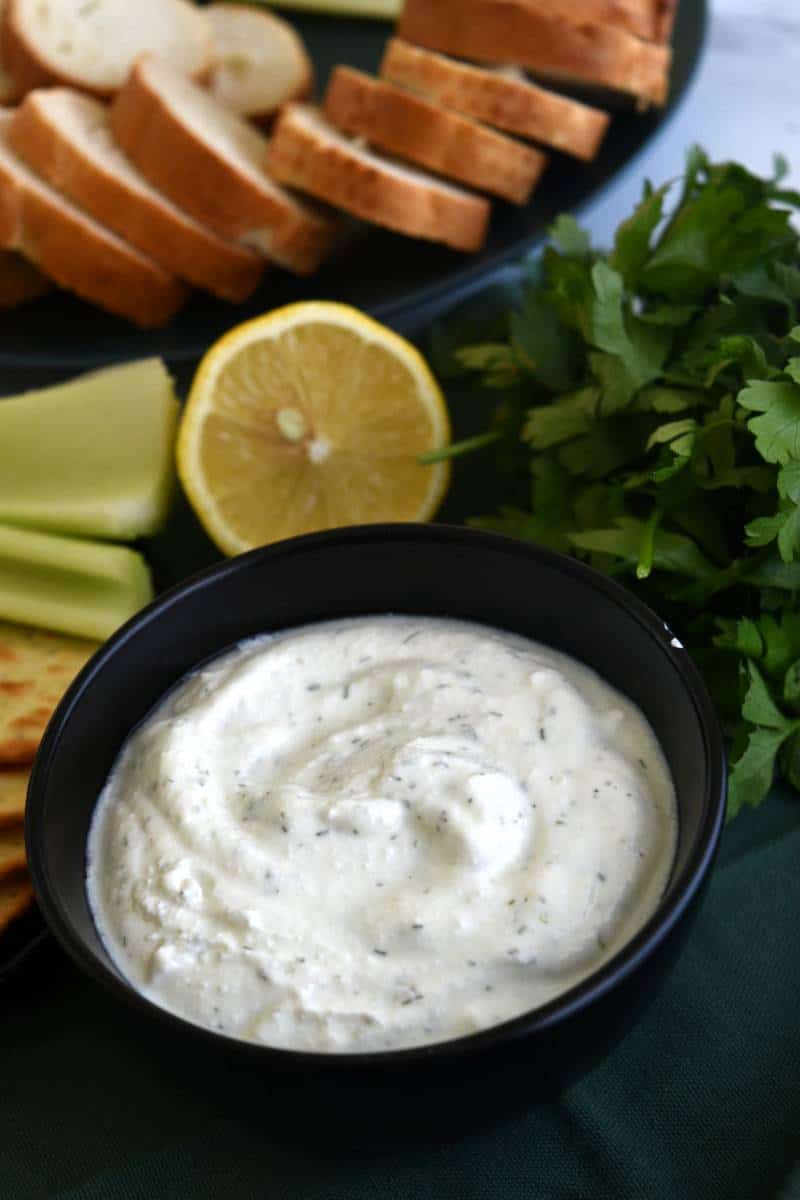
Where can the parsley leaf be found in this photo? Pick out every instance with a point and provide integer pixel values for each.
(640, 349)
(777, 432)
(544, 345)
(633, 237)
(752, 773)
(758, 706)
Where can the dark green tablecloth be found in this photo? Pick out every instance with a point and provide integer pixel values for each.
(701, 1098)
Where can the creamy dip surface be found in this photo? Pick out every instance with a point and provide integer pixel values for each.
(379, 833)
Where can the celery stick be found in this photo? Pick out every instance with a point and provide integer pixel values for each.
(68, 584)
(92, 457)
(384, 9)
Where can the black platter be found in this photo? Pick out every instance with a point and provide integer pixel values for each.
(402, 282)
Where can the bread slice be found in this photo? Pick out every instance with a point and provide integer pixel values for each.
(307, 152)
(19, 282)
(9, 91)
(650, 20)
(260, 61)
(211, 162)
(659, 15)
(92, 44)
(66, 138)
(515, 105)
(543, 39)
(74, 250)
(423, 132)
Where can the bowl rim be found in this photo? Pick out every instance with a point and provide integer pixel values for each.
(557, 1011)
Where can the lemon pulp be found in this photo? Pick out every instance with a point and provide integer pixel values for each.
(309, 418)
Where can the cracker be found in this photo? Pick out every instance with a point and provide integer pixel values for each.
(12, 850)
(16, 894)
(36, 668)
(13, 789)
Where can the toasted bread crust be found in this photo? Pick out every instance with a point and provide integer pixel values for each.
(512, 104)
(196, 178)
(81, 255)
(303, 158)
(20, 282)
(21, 63)
(183, 167)
(547, 42)
(434, 137)
(9, 90)
(107, 274)
(650, 20)
(179, 244)
(666, 12)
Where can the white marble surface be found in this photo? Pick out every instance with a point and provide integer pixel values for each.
(743, 104)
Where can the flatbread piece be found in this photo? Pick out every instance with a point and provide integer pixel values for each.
(36, 667)
(16, 894)
(13, 789)
(12, 850)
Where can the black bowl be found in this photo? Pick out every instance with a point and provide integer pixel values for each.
(423, 570)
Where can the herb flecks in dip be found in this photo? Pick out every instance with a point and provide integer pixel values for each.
(379, 833)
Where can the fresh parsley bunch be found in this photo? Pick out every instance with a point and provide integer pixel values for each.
(655, 391)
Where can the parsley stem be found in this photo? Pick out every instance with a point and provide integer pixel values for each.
(465, 447)
(647, 547)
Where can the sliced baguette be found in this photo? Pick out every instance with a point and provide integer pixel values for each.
(66, 138)
(92, 44)
(260, 61)
(307, 152)
(74, 250)
(650, 20)
(19, 282)
(512, 104)
(664, 13)
(9, 91)
(424, 133)
(210, 161)
(544, 40)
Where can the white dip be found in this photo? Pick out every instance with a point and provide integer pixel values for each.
(376, 833)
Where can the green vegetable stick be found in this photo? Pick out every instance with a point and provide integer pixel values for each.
(92, 457)
(68, 584)
(382, 9)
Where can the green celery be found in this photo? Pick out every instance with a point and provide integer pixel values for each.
(92, 457)
(68, 584)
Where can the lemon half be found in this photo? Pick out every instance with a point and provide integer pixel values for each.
(308, 418)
